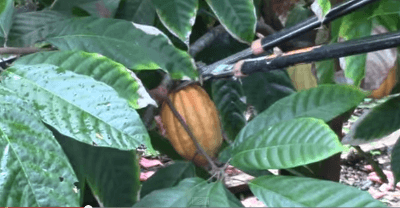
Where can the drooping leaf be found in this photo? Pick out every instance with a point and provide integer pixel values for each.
(191, 192)
(168, 177)
(290, 191)
(137, 11)
(6, 11)
(237, 16)
(100, 68)
(302, 76)
(375, 124)
(286, 145)
(136, 46)
(31, 27)
(178, 16)
(78, 106)
(264, 89)
(34, 170)
(226, 96)
(112, 175)
(395, 162)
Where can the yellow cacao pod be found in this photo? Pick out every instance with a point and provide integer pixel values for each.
(387, 85)
(201, 116)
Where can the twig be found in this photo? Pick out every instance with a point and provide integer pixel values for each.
(21, 51)
(374, 165)
(205, 40)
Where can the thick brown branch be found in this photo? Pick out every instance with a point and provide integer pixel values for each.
(21, 51)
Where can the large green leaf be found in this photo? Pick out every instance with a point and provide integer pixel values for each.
(78, 106)
(168, 177)
(100, 68)
(191, 192)
(395, 162)
(136, 46)
(112, 175)
(137, 11)
(324, 102)
(227, 98)
(286, 145)
(375, 124)
(264, 89)
(178, 16)
(6, 11)
(31, 27)
(34, 170)
(237, 16)
(290, 191)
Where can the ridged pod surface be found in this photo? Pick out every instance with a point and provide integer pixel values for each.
(200, 114)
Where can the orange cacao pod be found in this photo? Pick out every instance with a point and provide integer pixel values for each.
(387, 85)
(201, 116)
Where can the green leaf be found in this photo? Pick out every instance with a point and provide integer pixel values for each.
(324, 102)
(168, 177)
(178, 16)
(237, 16)
(286, 145)
(264, 89)
(101, 8)
(226, 95)
(135, 46)
(390, 22)
(387, 7)
(289, 191)
(100, 68)
(31, 27)
(112, 175)
(66, 7)
(297, 14)
(34, 170)
(137, 11)
(375, 124)
(325, 71)
(191, 192)
(6, 12)
(395, 162)
(78, 106)
(162, 145)
(355, 25)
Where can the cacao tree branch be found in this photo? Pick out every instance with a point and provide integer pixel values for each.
(373, 163)
(21, 51)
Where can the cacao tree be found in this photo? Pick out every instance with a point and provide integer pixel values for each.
(83, 81)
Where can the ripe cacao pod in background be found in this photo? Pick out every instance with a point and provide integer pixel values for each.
(201, 116)
(387, 85)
